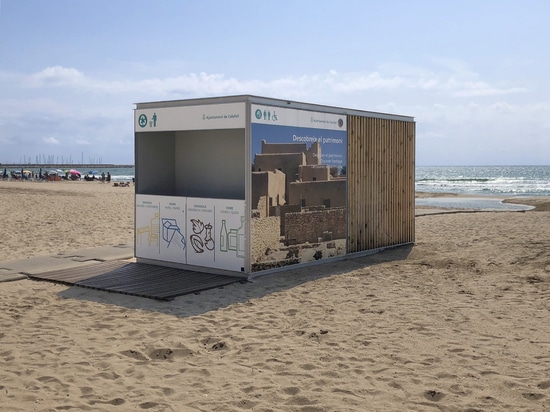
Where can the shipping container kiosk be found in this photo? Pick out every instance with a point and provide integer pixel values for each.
(247, 185)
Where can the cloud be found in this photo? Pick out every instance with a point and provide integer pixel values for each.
(51, 141)
(449, 100)
(481, 89)
(451, 78)
(56, 76)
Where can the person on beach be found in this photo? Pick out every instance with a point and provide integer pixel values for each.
(108, 177)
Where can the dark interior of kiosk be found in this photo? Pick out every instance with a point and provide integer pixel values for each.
(194, 163)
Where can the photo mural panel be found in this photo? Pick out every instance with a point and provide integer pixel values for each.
(299, 186)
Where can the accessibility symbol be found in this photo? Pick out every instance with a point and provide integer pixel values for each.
(142, 120)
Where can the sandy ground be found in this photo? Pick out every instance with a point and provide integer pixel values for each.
(45, 218)
(458, 322)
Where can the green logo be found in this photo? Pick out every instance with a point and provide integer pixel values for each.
(258, 114)
(142, 120)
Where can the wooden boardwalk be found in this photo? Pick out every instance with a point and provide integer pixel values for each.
(138, 279)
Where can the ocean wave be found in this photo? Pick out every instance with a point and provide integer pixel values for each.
(486, 180)
(481, 180)
(122, 177)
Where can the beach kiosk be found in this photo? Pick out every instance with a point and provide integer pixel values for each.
(247, 185)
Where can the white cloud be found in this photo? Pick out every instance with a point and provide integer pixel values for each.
(480, 89)
(51, 141)
(56, 76)
(447, 98)
(452, 78)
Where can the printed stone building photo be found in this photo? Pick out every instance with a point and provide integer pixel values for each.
(299, 203)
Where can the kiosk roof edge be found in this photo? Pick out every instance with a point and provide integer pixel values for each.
(271, 102)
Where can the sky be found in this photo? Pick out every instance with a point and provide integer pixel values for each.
(474, 74)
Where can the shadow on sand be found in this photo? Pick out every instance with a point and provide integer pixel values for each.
(240, 292)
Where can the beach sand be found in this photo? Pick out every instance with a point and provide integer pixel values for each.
(46, 218)
(458, 322)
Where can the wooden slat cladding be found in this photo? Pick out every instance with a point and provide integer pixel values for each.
(380, 171)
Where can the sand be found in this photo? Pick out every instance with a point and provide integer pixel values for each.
(458, 322)
(46, 218)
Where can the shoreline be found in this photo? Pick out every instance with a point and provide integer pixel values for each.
(539, 203)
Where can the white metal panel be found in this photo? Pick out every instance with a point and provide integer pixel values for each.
(203, 117)
(300, 118)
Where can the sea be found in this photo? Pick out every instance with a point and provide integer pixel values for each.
(118, 174)
(481, 187)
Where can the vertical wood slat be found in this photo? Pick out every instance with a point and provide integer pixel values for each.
(380, 170)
